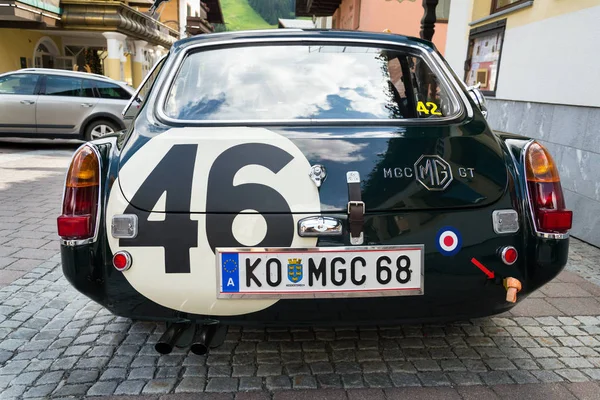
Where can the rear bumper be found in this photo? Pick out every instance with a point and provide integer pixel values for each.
(454, 290)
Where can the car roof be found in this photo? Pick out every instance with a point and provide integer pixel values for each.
(294, 33)
(63, 72)
(53, 71)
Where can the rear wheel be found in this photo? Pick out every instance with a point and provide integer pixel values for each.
(100, 128)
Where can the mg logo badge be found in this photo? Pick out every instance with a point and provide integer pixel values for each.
(433, 172)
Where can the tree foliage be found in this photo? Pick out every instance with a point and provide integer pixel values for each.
(272, 10)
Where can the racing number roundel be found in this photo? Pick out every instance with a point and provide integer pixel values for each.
(448, 241)
(256, 179)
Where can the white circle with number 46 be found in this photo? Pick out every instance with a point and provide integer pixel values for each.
(244, 187)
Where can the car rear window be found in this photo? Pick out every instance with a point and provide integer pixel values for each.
(307, 82)
(111, 91)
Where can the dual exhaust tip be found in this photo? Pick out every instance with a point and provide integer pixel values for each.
(175, 334)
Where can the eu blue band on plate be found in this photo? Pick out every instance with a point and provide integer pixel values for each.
(230, 272)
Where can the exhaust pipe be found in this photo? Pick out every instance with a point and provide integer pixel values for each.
(169, 338)
(202, 339)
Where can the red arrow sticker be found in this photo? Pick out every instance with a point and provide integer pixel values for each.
(490, 274)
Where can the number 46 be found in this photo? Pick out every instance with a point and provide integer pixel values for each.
(428, 108)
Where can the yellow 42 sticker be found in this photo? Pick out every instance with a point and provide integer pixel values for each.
(428, 108)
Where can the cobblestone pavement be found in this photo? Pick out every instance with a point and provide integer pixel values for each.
(54, 342)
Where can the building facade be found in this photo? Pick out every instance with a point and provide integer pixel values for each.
(536, 61)
(397, 16)
(119, 39)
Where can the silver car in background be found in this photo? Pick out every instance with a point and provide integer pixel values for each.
(50, 103)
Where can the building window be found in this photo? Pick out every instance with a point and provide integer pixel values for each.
(499, 5)
(483, 56)
(443, 11)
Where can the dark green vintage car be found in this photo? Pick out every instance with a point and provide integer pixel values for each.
(298, 177)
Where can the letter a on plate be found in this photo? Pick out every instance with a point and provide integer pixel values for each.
(230, 277)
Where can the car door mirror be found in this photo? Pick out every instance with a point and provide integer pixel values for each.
(478, 98)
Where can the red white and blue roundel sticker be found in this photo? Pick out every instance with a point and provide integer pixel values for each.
(448, 241)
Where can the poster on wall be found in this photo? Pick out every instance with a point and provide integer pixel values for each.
(484, 55)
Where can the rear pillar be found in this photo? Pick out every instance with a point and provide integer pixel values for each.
(113, 63)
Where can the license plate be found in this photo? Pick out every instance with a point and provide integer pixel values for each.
(322, 272)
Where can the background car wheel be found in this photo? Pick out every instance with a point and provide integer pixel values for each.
(100, 128)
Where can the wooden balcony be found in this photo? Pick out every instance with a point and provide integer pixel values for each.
(319, 8)
(198, 26)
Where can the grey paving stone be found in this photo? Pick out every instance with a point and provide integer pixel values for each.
(329, 381)
(195, 371)
(565, 351)
(269, 370)
(593, 373)
(572, 375)
(141, 373)
(72, 390)
(101, 351)
(82, 376)
(550, 363)
(250, 384)
(500, 364)
(191, 385)
(11, 344)
(373, 367)
(38, 365)
(352, 381)
(452, 365)
(576, 362)
(130, 387)
(523, 377)
(465, 378)
(402, 379)
(26, 378)
(76, 350)
(304, 382)
(14, 392)
(377, 380)
(219, 371)
(526, 364)
(496, 378)
(402, 367)
(474, 365)
(14, 367)
(243, 370)
(144, 361)
(434, 379)
(426, 365)
(547, 376)
(120, 361)
(92, 362)
(113, 373)
(222, 385)
(102, 389)
(167, 372)
(5, 380)
(541, 352)
(159, 386)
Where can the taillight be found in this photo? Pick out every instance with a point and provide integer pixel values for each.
(545, 192)
(80, 203)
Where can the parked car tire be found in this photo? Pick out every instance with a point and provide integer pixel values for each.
(99, 128)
